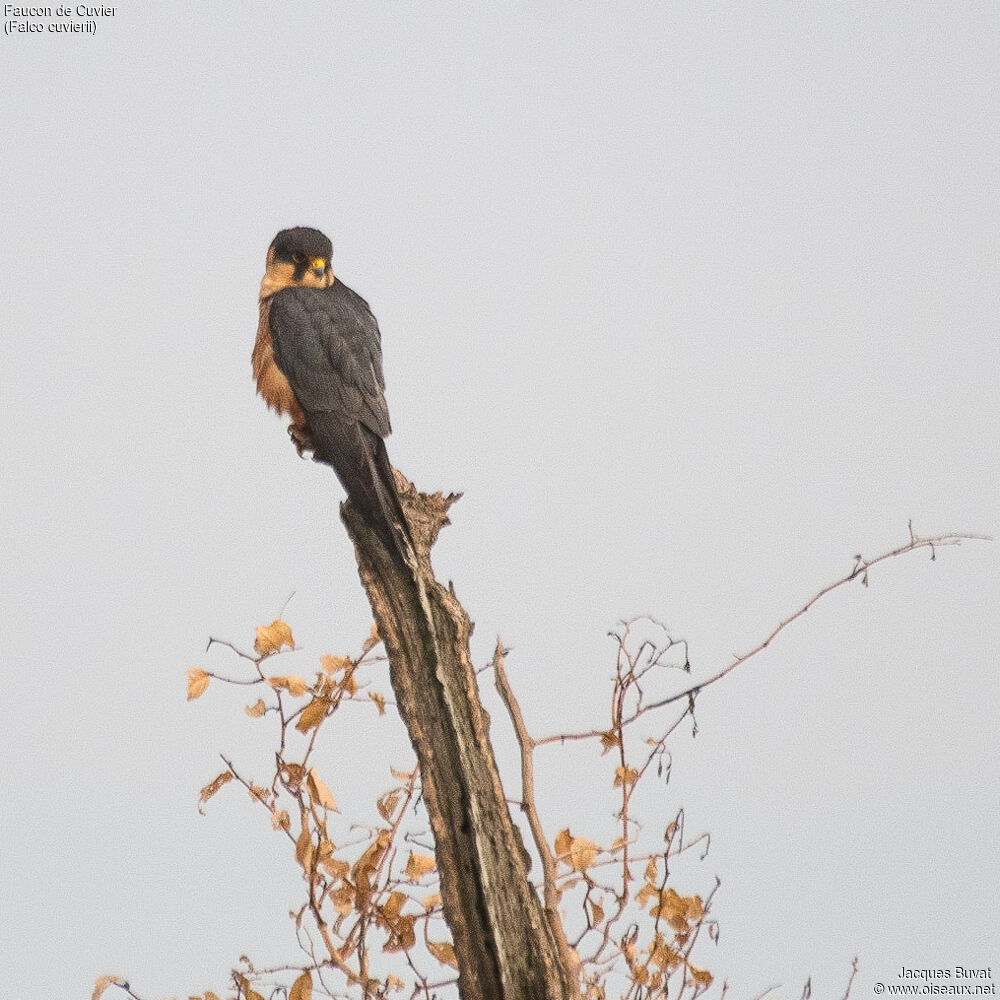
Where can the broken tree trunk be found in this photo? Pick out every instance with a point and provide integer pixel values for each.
(507, 946)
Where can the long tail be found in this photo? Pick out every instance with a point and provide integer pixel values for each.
(361, 462)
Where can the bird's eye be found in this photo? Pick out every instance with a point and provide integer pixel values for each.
(298, 258)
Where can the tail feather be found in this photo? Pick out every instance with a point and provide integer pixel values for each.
(360, 459)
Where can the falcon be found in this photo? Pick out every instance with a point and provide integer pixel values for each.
(318, 360)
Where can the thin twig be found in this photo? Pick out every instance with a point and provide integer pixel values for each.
(850, 982)
(212, 641)
(860, 568)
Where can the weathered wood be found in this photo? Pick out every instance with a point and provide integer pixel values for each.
(505, 947)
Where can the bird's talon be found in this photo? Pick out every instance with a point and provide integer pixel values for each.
(301, 439)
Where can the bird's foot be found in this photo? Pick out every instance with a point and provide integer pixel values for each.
(300, 438)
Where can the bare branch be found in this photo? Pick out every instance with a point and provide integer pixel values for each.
(527, 746)
(620, 921)
(860, 569)
(212, 641)
(854, 964)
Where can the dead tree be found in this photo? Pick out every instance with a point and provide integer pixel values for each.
(508, 946)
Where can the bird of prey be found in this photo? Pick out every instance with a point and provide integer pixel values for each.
(318, 360)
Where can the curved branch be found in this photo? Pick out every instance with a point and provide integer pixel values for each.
(526, 746)
(860, 569)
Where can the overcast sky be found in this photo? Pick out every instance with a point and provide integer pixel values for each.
(693, 301)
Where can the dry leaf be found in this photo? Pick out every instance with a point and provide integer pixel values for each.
(270, 638)
(432, 901)
(260, 793)
(419, 865)
(212, 787)
(401, 935)
(387, 803)
(342, 899)
(257, 709)
(292, 775)
(583, 853)
(372, 641)
(609, 741)
(628, 948)
(626, 776)
(292, 683)
(197, 682)
(672, 908)
(577, 852)
(662, 955)
(337, 868)
(642, 896)
(366, 864)
(701, 976)
(391, 908)
(332, 664)
(319, 792)
(379, 700)
(562, 843)
(444, 952)
(304, 845)
(249, 993)
(400, 926)
(313, 714)
(302, 987)
(103, 982)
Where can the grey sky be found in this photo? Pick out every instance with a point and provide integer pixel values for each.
(693, 301)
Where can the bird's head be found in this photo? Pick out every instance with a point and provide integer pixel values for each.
(298, 256)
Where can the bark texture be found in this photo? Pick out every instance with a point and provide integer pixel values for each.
(505, 948)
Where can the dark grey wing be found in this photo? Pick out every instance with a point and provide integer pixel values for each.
(327, 344)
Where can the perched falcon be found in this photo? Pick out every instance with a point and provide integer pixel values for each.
(318, 359)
